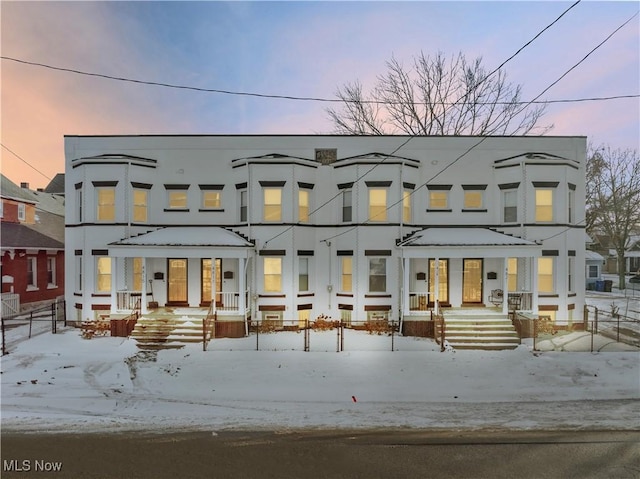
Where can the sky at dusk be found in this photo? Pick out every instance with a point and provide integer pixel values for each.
(305, 49)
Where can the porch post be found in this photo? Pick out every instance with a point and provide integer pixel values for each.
(143, 294)
(241, 285)
(213, 283)
(436, 284)
(406, 263)
(534, 285)
(114, 284)
(505, 285)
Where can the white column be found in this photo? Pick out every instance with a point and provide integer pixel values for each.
(436, 284)
(534, 285)
(241, 284)
(505, 285)
(114, 284)
(143, 294)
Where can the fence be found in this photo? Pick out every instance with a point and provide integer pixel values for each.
(14, 327)
(10, 304)
(611, 324)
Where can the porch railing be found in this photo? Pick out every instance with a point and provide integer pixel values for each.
(520, 300)
(128, 300)
(227, 301)
(10, 304)
(418, 302)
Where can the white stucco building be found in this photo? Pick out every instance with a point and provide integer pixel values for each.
(351, 227)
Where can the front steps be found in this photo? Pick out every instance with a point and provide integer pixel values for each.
(479, 329)
(167, 332)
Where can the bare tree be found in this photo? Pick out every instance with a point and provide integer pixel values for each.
(613, 198)
(437, 97)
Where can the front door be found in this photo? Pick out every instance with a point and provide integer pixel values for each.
(472, 281)
(177, 282)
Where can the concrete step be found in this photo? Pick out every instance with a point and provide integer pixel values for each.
(485, 346)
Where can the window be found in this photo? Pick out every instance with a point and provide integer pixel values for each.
(544, 205)
(51, 271)
(345, 316)
(79, 204)
(140, 199)
(406, 206)
(443, 280)
(346, 277)
(272, 204)
(137, 274)
(510, 206)
(78, 273)
(243, 205)
(545, 275)
(303, 205)
(377, 275)
(32, 272)
(103, 274)
(22, 211)
(593, 271)
(377, 204)
(512, 274)
(273, 275)
(303, 274)
(570, 266)
(571, 206)
(473, 199)
(177, 199)
(304, 316)
(106, 204)
(438, 200)
(347, 202)
(211, 200)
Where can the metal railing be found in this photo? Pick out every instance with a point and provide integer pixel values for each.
(44, 317)
(209, 326)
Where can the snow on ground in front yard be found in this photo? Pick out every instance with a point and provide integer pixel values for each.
(64, 383)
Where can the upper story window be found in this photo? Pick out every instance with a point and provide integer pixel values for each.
(140, 205)
(439, 197)
(211, 197)
(177, 197)
(272, 200)
(304, 195)
(378, 192)
(509, 193)
(106, 204)
(347, 205)
(571, 203)
(473, 197)
(22, 211)
(243, 205)
(544, 200)
(407, 194)
(79, 200)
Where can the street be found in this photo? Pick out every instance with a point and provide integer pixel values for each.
(324, 454)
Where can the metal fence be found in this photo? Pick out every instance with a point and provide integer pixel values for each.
(22, 326)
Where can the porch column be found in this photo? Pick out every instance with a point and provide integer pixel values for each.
(241, 285)
(143, 293)
(406, 262)
(213, 284)
(534, 285)
(436, 285)
(505, 285)
(114, 284)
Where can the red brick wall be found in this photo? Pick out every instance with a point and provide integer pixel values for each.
(17, 267)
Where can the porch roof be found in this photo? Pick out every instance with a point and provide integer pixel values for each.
(180, 239)
(464, 241)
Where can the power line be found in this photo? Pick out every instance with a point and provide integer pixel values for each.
(486, 137)
(24, 161)
(304, 98)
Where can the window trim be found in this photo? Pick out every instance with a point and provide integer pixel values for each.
(51, 272)
(22, 212)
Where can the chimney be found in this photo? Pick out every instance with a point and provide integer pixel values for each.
(24, 185)
(40, 190)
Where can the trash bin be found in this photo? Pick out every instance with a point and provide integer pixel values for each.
(599, 285)
(607, 285)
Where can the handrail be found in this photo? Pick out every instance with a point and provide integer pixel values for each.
(207, 331)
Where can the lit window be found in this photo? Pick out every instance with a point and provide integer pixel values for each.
(378, 275)
(32, 272)
(272, 204)
(211, 200)
(273, 275)
(51, 271)
(22, 211)
(406, 206)
(103, 275)
(377, 204)
(473, 199)
(512, 274)
(243, 205)
(106, 204)
(303, 206)
(347, 274)
(303, 274)
(304, 315)
(438, 200)
(545, 275)
(544, 205)
(510, 206)
(347, 198)
(177, 199)
(137, 274)
(140, 205)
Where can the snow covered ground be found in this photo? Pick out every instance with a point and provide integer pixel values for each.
(64, 383)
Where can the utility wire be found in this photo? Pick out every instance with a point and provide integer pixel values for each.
(24, 161)
(486, 137)
(303, 98)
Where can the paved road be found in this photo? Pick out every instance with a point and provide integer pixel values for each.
(325, 454)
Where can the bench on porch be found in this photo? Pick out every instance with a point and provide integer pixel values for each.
(496, 297)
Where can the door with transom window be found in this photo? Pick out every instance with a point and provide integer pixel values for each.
(472, 280)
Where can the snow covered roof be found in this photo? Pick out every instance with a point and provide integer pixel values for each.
(187, 236)
(463, 237)
(592, 255)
